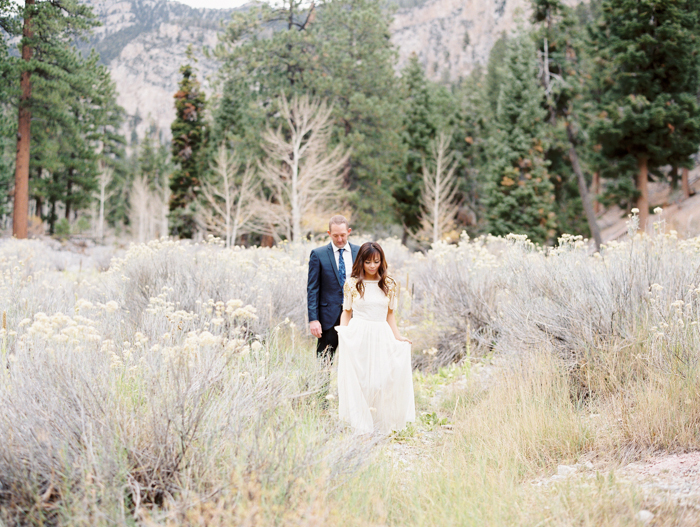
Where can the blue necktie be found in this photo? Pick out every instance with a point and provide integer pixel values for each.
(341, 266)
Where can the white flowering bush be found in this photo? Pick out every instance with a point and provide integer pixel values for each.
(273, 281)
(175, 373)
(457, 288)
(185, 371)
(510, 296)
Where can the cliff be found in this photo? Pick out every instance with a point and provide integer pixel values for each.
(144, 44)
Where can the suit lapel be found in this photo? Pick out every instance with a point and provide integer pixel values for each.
(354, 249)
(331, 256)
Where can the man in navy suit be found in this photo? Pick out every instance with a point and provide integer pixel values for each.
(329, 266)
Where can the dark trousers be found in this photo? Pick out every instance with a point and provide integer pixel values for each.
(328, 343)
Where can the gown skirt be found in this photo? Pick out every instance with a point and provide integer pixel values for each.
(375, 383)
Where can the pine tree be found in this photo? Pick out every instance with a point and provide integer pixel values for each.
(75, 134)
(266, 52)
(7, 123)
(49, 29)
(338, 50)
(562, 77)
(188, 148)
(419, 130)
(519, 193)
(357, 76)
(649, 113)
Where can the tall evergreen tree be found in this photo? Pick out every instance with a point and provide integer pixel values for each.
(188, 149)
(266, 51)
(423, 118)
(49, 29)
(338, 50)
(76, 134)
(649, 113)
(356, 72)
(519, 193)
(8, 125)
(563, 77)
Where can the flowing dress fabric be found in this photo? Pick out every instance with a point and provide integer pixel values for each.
(375, 385)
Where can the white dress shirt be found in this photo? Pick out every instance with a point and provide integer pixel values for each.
(347, 257)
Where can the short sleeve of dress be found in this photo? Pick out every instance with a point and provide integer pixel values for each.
(393, 294)
(349, 290)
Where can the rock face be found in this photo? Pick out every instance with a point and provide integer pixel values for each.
(450, 37)
(144, 43)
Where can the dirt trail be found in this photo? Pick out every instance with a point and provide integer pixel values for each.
(674, 477)
(664, 480)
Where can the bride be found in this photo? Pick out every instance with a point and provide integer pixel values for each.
(375, 387)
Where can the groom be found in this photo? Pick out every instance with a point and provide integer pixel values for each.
(329, 266)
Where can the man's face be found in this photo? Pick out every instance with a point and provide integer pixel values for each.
(339, 235)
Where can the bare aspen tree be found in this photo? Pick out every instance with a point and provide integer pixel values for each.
(162, 192)
(439, 190)
(104, 179)
(140, 202)
(231, 207)
(300, 172)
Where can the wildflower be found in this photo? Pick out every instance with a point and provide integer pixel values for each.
(256, 346)
(635, 210)
(207, 339)
(111, 306)
(83, 304)
(658, 210)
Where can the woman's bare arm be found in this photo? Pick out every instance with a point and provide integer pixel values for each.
(391, 319)
(345, 317)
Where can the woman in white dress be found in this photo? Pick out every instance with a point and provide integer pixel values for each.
(375, 385)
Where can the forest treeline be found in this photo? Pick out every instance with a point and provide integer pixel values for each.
(310, 115)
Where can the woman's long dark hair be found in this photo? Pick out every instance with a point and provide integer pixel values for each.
(367, 251)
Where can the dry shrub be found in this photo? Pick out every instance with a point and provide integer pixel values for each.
(115, 410)
(510, 296)
(271, 280)
(456, 287)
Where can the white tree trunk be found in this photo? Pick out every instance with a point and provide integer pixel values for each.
(303, 177)
(439, 191)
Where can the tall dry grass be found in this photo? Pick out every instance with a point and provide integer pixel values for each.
(179, 386)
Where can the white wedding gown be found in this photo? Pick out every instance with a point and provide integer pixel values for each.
(375, 385)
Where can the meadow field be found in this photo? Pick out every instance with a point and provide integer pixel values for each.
(178, 385)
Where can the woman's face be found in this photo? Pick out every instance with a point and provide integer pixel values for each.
(371, 264)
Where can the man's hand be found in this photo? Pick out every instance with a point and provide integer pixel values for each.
(315, 328)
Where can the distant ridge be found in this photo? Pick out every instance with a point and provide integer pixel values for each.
(143, 42)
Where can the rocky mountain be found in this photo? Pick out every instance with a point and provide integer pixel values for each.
(144, 43)
(450, 37)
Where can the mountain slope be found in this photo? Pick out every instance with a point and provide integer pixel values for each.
(450, 37)
(144, 43)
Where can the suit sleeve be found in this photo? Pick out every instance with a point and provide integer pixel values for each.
(313, 286)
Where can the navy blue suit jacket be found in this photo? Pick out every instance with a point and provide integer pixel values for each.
(324, 290)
